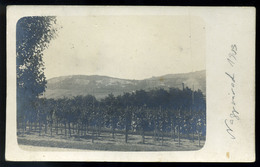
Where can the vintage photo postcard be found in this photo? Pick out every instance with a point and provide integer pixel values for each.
(132, 84)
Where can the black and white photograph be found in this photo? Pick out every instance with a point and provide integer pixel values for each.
(119, 82)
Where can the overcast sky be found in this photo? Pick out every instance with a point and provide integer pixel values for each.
(130, 47)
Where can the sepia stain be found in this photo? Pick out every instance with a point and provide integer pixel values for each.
(161, 79)
(227, 154)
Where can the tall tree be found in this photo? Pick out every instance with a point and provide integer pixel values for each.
(112, 106)
(33, 35)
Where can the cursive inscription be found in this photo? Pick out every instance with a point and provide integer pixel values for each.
(231, 75)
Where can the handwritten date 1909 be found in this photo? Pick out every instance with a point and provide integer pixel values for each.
(232, 60)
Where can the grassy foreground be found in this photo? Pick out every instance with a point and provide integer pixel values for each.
(106, 142)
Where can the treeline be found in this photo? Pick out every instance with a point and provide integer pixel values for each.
(159, 113)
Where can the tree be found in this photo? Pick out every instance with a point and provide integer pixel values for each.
(33, 35)
(167, 113)
(112, 115)
(125, 118)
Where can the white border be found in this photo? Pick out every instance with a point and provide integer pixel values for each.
(224, 26)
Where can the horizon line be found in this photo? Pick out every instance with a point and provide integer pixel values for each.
(126, 78)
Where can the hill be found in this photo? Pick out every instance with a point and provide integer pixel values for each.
(101, 86)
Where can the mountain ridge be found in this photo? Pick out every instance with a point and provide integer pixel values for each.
(100, 86)
(123, 78)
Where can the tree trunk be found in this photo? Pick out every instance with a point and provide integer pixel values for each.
(40, 128)
(93, 136)
(23, 126)
(171, 131)
(155, 130)
(192, 135)
(113, 132)
(45, 127)
(143, 136)
(126, 134)
(61, 128)
(81, 129)
(65, 129)
(72, 128)
(69, 129)
(199, 138)
(30, 126)
(85, 131)
(87, 127)
(35, 126)
(99, 129)
(78, 127)
(162, 138)
(57, 124)
(179, 139)
(51, 128)
(174, 133)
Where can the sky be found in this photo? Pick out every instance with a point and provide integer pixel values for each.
(129, 47)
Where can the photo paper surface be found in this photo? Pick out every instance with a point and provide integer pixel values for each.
(137, 84)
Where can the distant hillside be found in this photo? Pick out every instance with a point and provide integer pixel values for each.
(101, 86)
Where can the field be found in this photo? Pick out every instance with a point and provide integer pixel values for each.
(33, 142)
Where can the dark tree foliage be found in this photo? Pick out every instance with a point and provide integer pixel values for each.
(158, 113)
(33, 35)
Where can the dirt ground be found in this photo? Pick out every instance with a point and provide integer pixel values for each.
(45, 142)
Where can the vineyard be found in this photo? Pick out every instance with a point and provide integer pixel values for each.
(167, 118)
(146, 118)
